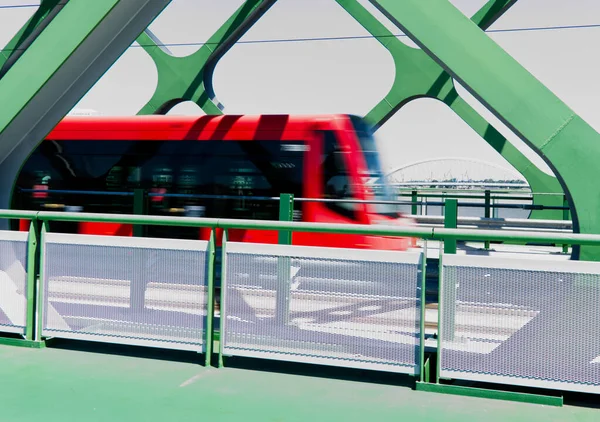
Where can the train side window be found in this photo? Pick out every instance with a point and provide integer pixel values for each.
(230, 168)
(242, 169)
(336, 178)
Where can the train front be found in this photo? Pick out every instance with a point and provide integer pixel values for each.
(383, 207)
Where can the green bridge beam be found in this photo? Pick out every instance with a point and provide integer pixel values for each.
(190, 78)
(28, 33)
(419, 76)
(569, 145)
(63, 62)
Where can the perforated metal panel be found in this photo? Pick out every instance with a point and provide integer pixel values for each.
(13, 281)
(521, 322)
(142, 291)
(339, 307)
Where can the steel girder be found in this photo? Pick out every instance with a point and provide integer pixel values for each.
(63, 62)
(190, 78)
(28, 33)
(568, 144)
(418, 76)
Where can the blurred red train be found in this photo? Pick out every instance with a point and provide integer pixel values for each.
(213, 166)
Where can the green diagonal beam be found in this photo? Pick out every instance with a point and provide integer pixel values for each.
(189, 78)
(25, 36)
(569, 145)
(63, 62)
(418, 76)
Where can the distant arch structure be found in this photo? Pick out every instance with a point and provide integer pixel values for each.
(453, 169)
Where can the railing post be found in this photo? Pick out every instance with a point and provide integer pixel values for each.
(286, 213)
(422, 315)
(139, 208)
(450, 222)
(487, 211)
(413, 207)
(284, 282)
(223, 296)
(210, 312)
(33, 252)
(40, 287)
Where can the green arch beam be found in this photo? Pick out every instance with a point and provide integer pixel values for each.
(28, 32)
(189, 78)
(567, 143)
(418, 76)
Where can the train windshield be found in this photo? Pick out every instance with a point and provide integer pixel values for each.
(374, 177)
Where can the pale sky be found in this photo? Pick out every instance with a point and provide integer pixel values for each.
(349, 76)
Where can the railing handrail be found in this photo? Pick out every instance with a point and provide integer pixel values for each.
(496, 222)
(431, 233)
(299, 199)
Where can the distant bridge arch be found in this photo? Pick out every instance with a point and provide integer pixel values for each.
(449, 168)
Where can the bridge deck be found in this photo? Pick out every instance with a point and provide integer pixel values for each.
(62, 384)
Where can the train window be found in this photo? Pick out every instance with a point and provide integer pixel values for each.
(190, 169)
(224, 168)
(336, 178)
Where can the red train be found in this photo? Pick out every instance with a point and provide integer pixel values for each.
(212, 166)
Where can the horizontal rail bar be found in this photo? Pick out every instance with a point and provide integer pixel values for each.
(198, 196)
(498, 191)
(508, 206)
(320, 200)
(373, 230)
(467, 196)
(500, 222)
(15, 214)
(127, 219)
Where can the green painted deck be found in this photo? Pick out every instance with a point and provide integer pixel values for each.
(61, 384)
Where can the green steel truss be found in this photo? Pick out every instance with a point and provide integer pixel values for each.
(418, 76)
(56, 66)
(492, 76)
(189, 78)
(28, 33)
(569, 145)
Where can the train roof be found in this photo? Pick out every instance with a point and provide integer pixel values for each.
(165, 127)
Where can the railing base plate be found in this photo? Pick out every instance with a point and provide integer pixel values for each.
(490, 394)
(22, 343)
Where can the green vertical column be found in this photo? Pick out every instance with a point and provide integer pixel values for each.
(422, 314)
(210, 300)
(450, 222)
(32, 277)
(40, 286)
(413, 199)
(223, 305)
(487, 211)
(524, 104)
(286, 213)
(441, 310)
